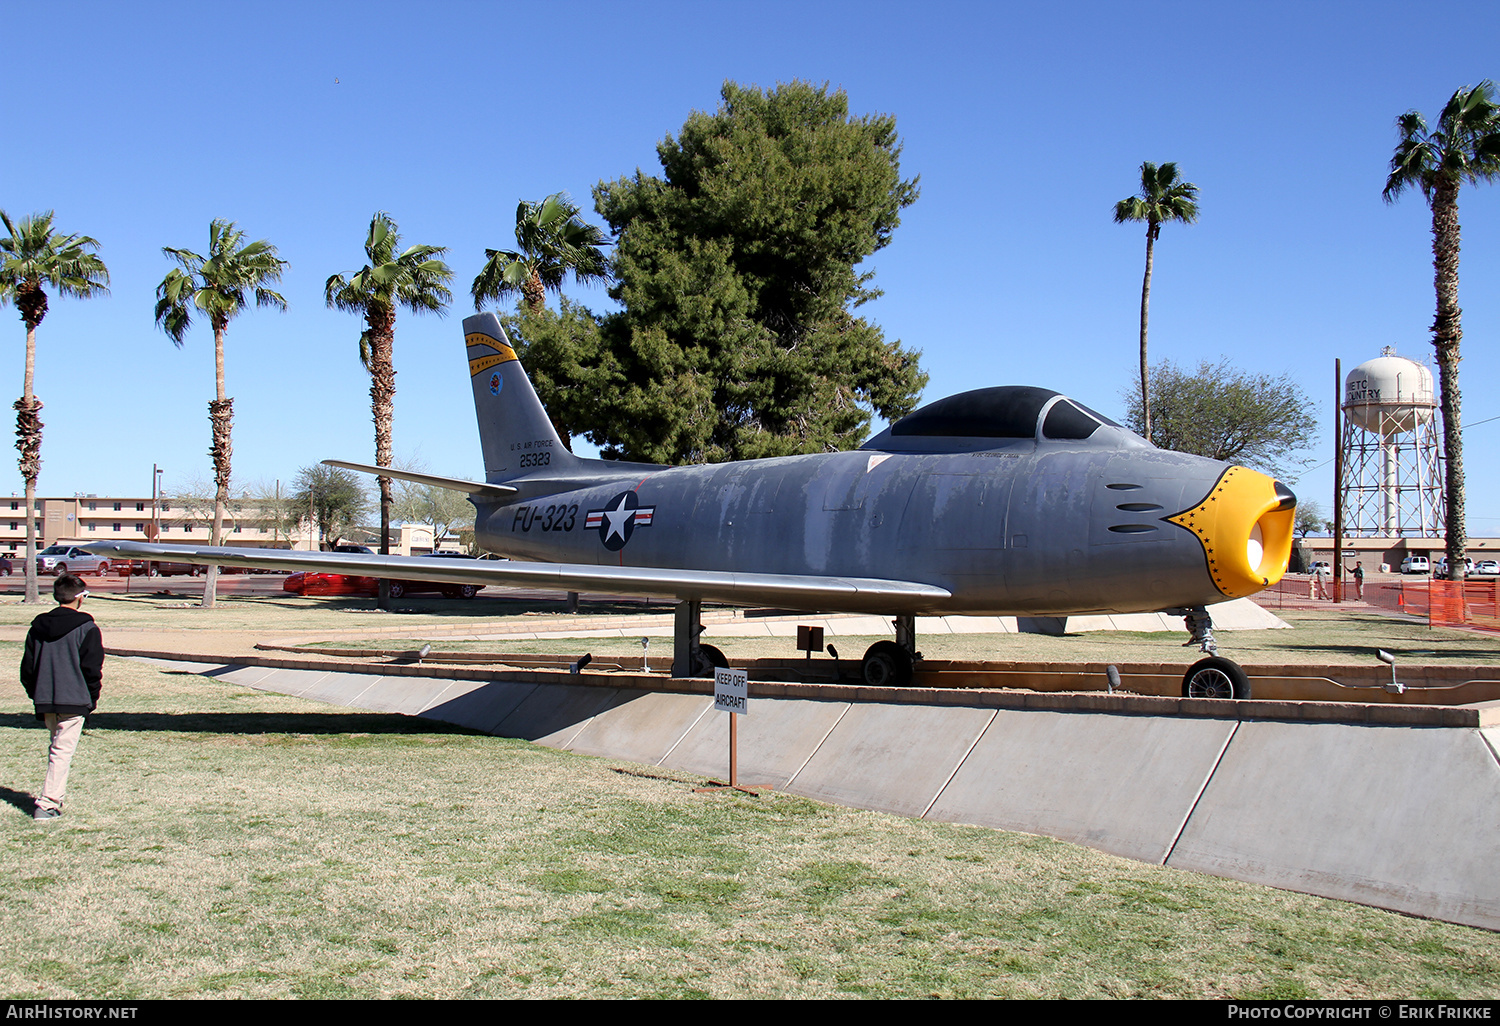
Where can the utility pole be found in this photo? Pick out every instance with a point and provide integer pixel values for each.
(1338, 481)
(155, 504)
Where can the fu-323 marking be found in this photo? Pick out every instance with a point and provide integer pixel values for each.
(551, 518)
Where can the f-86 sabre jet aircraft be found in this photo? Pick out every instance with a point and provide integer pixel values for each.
(1001, 501)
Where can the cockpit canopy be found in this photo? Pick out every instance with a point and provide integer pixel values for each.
(999, 417)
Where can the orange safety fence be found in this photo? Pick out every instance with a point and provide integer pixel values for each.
(1414, 597)
(1307, 592)
(1441, 603)
(1464, 604)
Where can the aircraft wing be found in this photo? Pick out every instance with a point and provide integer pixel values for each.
(798, 591)
(493, 491)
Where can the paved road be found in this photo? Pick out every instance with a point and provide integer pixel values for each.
(270, 584)
(247, 584)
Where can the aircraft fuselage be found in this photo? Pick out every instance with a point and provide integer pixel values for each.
(1037, 529)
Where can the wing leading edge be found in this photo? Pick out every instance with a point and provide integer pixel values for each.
(493, 491)
(850, 594)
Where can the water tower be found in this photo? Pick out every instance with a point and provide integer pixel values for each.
(1393, 474)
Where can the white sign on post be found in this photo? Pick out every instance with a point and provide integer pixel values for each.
(731, 690)
(731, 695)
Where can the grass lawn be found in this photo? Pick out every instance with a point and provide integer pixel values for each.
(220, 842)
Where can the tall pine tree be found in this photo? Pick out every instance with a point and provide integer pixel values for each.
(737, 275)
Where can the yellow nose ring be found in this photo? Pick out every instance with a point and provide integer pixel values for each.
(1245, 525)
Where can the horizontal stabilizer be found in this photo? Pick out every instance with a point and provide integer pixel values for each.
(797, 591)
(456, 484)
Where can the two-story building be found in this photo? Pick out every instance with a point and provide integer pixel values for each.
(80, 519)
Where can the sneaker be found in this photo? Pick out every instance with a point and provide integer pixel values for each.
(46, 815)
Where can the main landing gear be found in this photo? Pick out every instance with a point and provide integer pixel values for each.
(1214, 677)
(888, 664)
(690, 658)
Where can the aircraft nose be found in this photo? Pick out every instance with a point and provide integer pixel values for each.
(1288, 499)
(1245, 525)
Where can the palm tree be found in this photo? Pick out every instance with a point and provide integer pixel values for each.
(1464, 147)
(1163, 197)
(217, 287)
(417, 280)
(553, 242)
(32, 257)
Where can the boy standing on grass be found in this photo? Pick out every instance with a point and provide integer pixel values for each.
(61, 671)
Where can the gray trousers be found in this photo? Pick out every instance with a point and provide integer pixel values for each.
(65, 733)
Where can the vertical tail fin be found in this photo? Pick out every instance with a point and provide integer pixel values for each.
(514, 430)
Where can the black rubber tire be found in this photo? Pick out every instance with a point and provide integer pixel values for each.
(1215, 677)
(709, 657)
(59, 569)
(102, 569)
(468, 591)
(886, 665)
(398, 588)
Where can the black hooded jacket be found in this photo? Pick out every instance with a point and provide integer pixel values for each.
(63, 663)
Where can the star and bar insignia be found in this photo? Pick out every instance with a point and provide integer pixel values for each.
(619, 519)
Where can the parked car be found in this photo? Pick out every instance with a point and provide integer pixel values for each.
(1322, 569)
(1487, 568)
(1442, 567)
(466, 591)
(330, 584)
(153, 568)
(5, 568)
(70, 559)
(1416, 565)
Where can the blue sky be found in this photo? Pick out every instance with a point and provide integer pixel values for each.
(1026, 122)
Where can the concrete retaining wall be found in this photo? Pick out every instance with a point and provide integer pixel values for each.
(1401, 817)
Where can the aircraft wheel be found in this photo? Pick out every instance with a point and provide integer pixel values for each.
(710, 657)
(887, 665)
(397, 589)
(1215, 678)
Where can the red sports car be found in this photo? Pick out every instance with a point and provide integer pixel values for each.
(330, 584)
(343, 584)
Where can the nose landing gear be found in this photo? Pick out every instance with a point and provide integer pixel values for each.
(1214, 677)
